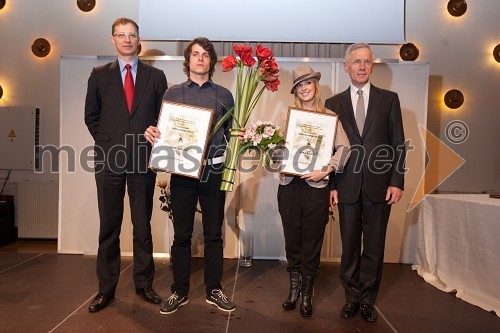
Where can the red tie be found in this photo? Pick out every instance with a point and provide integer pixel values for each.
(129, 88)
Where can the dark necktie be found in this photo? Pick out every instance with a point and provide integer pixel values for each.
(360, 112)
(129, 88)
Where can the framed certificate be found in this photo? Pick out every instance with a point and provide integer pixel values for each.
(309, 141)
(184, 136)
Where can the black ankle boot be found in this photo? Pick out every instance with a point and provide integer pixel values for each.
(289, 303)
(306, 293)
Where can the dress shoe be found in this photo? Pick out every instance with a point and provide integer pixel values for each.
(149, 295)
(369, 313)
(349, 310)
(100, 302)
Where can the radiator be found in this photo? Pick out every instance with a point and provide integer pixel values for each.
(37, 209)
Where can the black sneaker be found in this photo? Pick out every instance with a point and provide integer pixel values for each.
(173, 303)
(220, 300)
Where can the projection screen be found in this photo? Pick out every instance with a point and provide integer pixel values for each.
(314, 21)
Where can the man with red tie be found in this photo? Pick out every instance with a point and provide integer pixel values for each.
(123, 99)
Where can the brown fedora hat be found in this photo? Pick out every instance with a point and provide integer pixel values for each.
(303, 73)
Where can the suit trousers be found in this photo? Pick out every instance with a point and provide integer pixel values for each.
(304, 215)
(185, 195)
(110, 195)
(364, 222)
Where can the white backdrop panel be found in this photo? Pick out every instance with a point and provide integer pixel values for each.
(253, 203)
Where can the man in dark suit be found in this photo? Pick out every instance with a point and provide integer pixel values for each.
(371, 181)
(123, 99)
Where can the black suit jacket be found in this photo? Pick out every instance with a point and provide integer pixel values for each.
(377, 154)
(118, 135)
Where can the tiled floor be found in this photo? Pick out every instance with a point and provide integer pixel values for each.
(42, 291)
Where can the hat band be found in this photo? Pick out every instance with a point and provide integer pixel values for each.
(301, 77)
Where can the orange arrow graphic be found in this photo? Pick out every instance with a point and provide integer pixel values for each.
(443, 162)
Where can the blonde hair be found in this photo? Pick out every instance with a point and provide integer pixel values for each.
(318, 102)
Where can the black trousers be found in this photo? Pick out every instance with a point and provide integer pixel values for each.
(304, 215)
(185, 195)
(110, 196)
(361, 272)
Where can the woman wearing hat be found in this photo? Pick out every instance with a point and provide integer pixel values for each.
(303, 201)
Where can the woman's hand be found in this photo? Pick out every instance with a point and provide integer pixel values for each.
(240, 133)
(317, 175)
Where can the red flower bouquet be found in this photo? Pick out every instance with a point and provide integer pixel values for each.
(251, 72)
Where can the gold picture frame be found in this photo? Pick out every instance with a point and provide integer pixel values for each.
(309, 141)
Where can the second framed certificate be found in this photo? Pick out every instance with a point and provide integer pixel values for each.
(184, 134)
(309, 141)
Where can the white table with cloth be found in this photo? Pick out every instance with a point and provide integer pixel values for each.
(458, 246)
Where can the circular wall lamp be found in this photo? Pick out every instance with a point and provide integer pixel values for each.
(496, 53)
(1, 92)
(2, 4)
(454, 99)
(40, 47)
(85, 5)
(408, 52)
(457, 7)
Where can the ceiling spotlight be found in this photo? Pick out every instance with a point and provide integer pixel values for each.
(85, 5)
(454, 99)
(408, 52)
(40, 47)
(2, 3)
(457, 7)
(1, 92)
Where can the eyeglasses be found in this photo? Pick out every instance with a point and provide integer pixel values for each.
(358, 62)
(124, 35)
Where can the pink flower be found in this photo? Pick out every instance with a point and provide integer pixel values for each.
(257, 139)
(269, 131)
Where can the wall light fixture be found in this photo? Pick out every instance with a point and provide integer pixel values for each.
(457, 7)
(496, 53)
(40, 47)
(408, 52)
(454, 99)
(85, 5)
